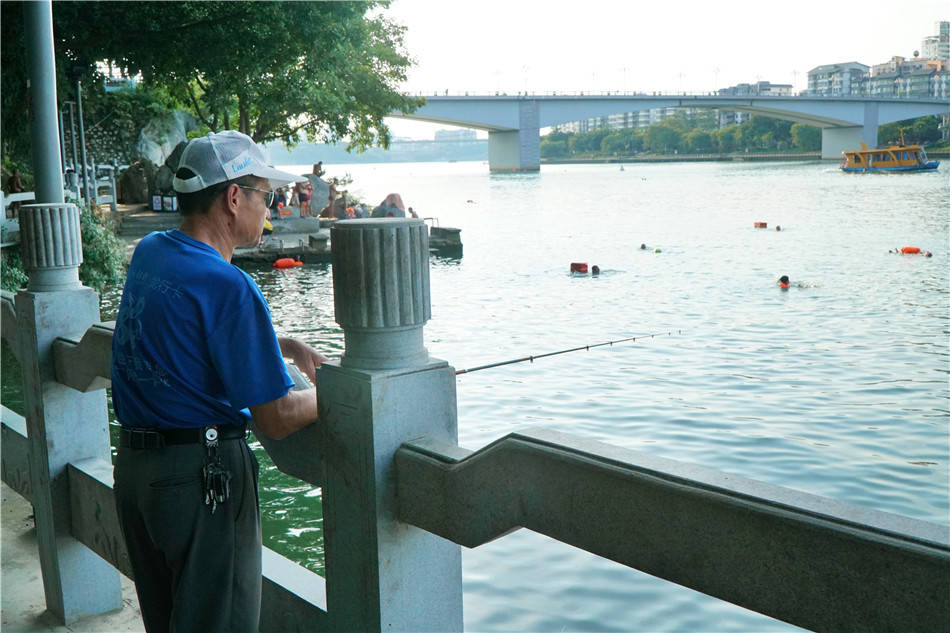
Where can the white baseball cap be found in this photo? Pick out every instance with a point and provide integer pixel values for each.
(223, 156)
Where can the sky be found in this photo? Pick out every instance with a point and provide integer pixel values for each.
(514, 46)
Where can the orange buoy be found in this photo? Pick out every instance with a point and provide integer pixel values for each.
(761, 225)
(579, 267)
(287, 262)
(910, 250)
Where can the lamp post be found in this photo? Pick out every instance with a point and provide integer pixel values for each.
(77, 71)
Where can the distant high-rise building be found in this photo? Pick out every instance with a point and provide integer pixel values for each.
(937, 46)
(455, 136)
(848, 78)
(759, 88)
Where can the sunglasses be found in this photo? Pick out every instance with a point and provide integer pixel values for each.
(270, 194)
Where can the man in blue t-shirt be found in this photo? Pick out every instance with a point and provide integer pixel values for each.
(195, 359)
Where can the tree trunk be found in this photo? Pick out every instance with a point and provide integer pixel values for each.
(244, 124)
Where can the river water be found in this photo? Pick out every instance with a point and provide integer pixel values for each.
(837, 386)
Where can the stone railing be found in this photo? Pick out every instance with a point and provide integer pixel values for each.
(400, 495)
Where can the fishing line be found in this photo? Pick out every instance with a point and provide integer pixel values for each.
(563, 351)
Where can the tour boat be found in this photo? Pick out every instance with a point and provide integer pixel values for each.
(894, 158)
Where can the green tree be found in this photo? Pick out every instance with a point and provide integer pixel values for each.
(624, 142)
(588, 141)
(806, 137)
(553, 149)
(726, 138)
(661, 139)
(274, 70)
(699, 141)
(925, 130)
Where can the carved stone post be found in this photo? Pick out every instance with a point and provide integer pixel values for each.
(383, 575)
(63, 425)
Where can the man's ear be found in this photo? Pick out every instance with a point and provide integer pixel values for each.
(231, 200)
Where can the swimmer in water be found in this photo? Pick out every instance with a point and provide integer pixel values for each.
(783, 282)
(911, 250)
(778, 228)
(643, 247)
(595, 270)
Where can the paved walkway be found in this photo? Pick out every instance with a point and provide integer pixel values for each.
(22, 602)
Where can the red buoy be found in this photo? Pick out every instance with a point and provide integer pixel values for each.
(910, 250)
(579, 267)
(287, 262)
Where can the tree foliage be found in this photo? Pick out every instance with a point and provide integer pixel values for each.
(662, 139)
(693, 133)
(923, 130)
(273, 70)
(806, 137)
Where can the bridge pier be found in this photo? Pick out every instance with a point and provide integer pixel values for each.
(835, 140)
(517, 150)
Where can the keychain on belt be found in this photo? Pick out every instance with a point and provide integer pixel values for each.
(216, 479)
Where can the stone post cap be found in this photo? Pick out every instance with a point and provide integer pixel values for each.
(51, 245)
(381, 290)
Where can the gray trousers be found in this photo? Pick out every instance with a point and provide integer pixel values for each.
(193, 571)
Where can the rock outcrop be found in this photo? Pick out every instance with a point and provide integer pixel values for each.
(159, 138)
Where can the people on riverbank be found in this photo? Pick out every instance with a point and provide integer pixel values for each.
(195, 360)
(14, 185)
(302, 189)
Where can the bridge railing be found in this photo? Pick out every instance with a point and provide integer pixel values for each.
(400, 495)
(622, 93)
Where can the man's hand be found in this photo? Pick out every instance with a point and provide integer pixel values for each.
(305, 357)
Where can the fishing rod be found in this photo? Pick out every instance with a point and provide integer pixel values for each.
(563, 351)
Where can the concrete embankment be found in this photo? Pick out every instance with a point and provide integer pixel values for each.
(682, 158)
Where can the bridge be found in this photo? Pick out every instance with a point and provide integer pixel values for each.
(513, 122)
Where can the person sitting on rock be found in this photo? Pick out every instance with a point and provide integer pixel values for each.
(390, 207)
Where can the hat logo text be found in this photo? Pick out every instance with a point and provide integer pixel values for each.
(236, 168)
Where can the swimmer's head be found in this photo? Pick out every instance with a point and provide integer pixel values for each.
(778, 228)
(595, 269)
(928, 254)
(643, 247)
(783, 281)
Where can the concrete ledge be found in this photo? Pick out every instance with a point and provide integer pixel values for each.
(295, 604)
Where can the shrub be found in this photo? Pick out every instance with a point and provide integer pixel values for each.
(12, 275)
(103, 253)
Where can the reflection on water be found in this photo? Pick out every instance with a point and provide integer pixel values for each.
(837, 386)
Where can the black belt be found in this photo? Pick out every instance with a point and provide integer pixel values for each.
(138, 439)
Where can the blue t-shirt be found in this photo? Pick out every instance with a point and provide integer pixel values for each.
(193, 344)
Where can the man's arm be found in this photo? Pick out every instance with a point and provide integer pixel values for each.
(281, 417)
